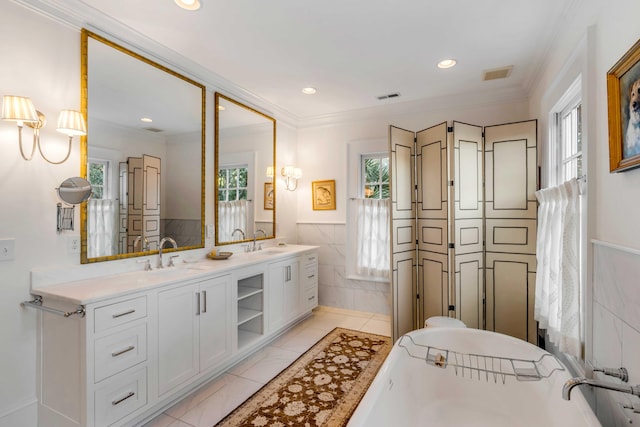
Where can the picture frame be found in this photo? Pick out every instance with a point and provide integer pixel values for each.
(623, 93)
(269, 196)
(323, 195)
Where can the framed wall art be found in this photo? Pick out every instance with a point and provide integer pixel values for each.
(268, 196)
(623, 92)
(324, 195)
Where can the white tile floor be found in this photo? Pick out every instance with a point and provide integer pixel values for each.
(207, 406)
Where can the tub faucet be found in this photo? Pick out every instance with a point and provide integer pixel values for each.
(254, 238)
(161, 245)
(575, 382)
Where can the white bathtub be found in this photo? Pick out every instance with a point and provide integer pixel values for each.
(409, 392)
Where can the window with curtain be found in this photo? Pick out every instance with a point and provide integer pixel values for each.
(372, 216)
(98, 171)
(559, 295)
(232, 183)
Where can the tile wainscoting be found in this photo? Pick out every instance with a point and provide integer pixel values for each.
(334, 288)
(616, 327)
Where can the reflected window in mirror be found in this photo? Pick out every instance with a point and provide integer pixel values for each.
(144, 152)
(244, 145)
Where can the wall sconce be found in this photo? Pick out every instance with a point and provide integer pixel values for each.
(291, 176)
(21, 110)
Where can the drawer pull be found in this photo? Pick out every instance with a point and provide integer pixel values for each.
(197, 303)
(118, 353)
(311, 277)
(119, 401)
(204, 300)
(115, 316)
(311, 298)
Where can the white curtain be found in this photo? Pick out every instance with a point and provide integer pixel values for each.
(373, 237)
(557, 299)
(232, 215)
(101, 221)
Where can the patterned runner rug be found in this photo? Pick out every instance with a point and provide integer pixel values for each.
(321, 388)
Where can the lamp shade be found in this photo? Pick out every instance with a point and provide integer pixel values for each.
(18, 109)
(71, 122)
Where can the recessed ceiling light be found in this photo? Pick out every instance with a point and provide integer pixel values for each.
(446, 63)
(188, 4)
(309, 90)
(221, 108)
(146, 119)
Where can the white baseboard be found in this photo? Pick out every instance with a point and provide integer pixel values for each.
(24, 414)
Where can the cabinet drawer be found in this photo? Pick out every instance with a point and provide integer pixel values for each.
(309, 259)
(309, 276)
(108, 316)
(120, 397)
(117, 352)
(310, 298)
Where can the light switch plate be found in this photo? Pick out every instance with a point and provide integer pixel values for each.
(7, 249)
(209, 231)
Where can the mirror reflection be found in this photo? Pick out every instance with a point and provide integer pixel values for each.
(143, 154)
(245, 152)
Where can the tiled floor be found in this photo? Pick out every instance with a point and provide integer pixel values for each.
(210, 404)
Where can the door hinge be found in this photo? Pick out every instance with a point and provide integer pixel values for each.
(452, 307)
(449, 128)
(417, 243)
(451, 183)
(415, 139)
(452, 245)
(417, 296)
(415, 187)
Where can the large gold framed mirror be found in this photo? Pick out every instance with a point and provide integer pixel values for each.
(245, 155)
(143, 154)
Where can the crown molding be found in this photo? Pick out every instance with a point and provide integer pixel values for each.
(77, 15)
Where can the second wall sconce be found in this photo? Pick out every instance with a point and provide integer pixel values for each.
(291, 176)
(21, 110)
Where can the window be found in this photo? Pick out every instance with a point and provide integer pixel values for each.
(570, 142)
(98, 172)
(372, 218)
(232, 183)
(375, 176)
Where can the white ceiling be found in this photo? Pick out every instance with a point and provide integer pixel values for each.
(352, 51)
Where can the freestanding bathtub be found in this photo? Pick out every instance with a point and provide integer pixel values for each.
(472, 378)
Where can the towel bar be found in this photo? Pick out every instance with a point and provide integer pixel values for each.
(37, 303)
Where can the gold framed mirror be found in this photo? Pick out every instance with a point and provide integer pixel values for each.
(245, 150)
(143, 154)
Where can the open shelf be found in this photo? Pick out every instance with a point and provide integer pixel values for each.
(247, 314)
(245, 292)
(250, 302)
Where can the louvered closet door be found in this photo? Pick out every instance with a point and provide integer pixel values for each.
(403, 212)
(510, 211)
(468, 223)
(433, 230)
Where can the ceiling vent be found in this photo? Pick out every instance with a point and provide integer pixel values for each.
(156, 130)
(497, 73)
(391, 95)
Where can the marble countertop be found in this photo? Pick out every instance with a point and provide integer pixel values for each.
(96, 289)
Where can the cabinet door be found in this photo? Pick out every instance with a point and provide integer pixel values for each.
(291, 294)
(215, 321)
(276, 295)
(177, 336)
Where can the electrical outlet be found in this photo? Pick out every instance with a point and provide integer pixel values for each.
(73, 244)
(7, 249)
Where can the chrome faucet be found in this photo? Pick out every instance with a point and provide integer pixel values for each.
(254, 238)
(145, 247)
(575, 382)
(241, 232)
(161, 245)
